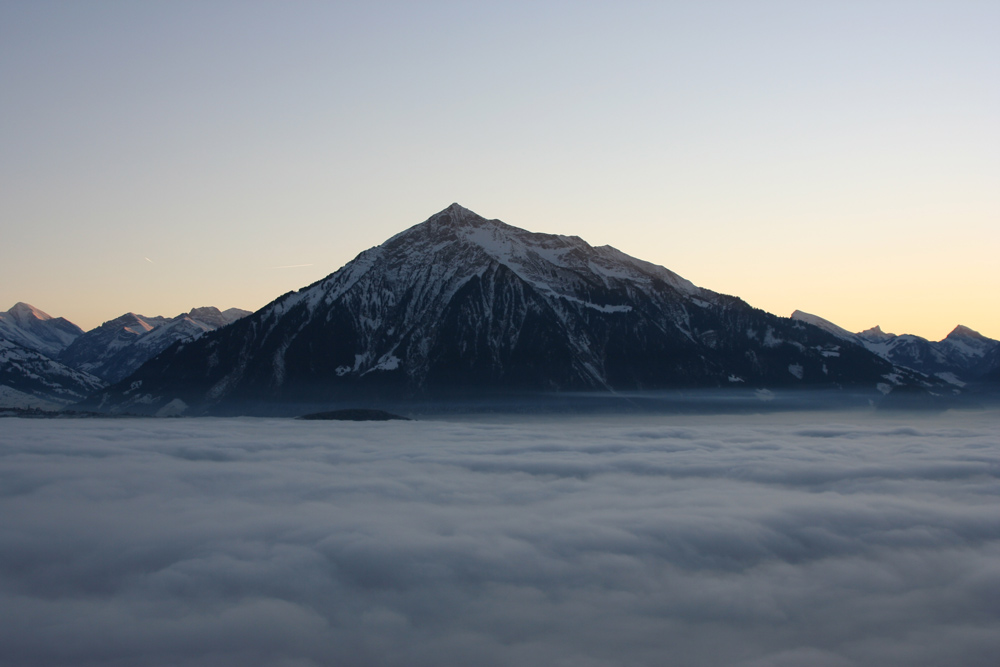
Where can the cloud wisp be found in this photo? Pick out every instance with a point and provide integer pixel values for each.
(823, 540)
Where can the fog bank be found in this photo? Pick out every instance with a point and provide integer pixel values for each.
(786, 539)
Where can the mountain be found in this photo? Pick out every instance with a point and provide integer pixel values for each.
(827, 326)
(96, 350)
(461, 305)
(962, 356)
(991, 365)
(29, 379)
(85, 362)
(33, 329)
(118, 347)
(969, 349)
(212, 318)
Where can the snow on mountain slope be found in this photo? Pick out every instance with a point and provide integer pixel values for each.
(30, 379)
(183, 327)
(551, 263)
(213, 318)
(961, 353)
(118, 347)
(825, 325)
(36, 330)
(392, 288)
(460, 304)
(958, 358)
(95, 351)
(965, 343)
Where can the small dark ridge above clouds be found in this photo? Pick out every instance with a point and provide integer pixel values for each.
(353, 414)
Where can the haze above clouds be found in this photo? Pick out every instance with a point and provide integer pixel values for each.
(824, 539)
(839, 158)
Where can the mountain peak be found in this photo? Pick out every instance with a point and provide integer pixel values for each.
(36, 330)
(22, 311)
(461, 304)
(876, 335)
(214, 317)
(455, 214)
(962, 331)
(446, 222)
(456, 217)
(455, 207)
(554, 263)
(204, 311)
(824, 324)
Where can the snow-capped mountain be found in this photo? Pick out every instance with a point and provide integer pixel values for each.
(827, 326)
(963, 345)
(461, 304)
(34, 329)
(118, 347)
(85, 362)
(210, 317)
(29, 379)
(962, 356)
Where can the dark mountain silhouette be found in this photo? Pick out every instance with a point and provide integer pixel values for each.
(461, 305)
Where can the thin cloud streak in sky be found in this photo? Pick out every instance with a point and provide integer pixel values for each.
(289, 266)
(830, 540)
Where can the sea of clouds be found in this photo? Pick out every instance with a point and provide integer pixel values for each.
(822, 539)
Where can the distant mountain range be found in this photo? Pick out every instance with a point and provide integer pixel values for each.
(120, 346)
(964, 356)
(461, 306)
(50, 362)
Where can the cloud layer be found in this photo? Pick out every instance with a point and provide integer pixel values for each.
(830, 539)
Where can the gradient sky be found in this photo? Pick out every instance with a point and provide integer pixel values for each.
(842, 158)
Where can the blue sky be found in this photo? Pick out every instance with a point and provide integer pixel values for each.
(841, 158)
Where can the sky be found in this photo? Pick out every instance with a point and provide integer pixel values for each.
(829, 540)
(838, 158)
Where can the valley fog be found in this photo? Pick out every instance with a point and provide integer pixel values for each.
(824, 538)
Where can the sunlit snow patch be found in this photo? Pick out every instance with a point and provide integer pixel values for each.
(950, 378)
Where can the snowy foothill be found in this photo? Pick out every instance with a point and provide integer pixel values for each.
(837, 538)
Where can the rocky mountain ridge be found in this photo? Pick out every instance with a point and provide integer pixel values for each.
(118, 347)
(50, 362)
(29, 379)
(963, 356)
(35, 329)
(460, 304)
